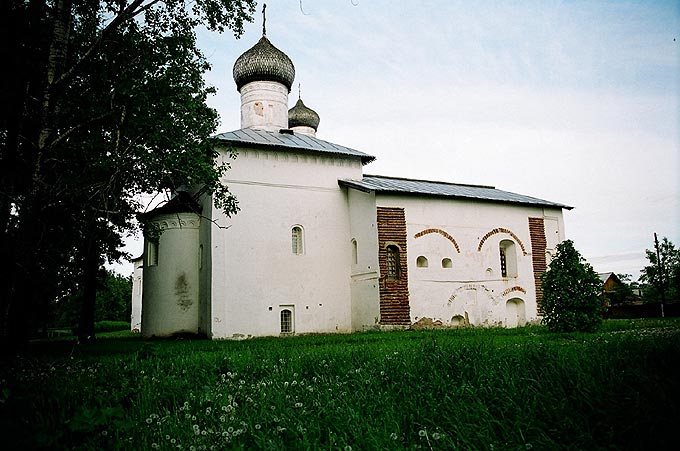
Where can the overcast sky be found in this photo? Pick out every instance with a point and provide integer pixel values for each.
(572, 102)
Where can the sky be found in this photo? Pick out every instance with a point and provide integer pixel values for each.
(576, 102)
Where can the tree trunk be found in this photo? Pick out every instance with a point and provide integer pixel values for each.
(86, 332)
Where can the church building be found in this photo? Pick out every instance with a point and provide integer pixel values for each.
(321, 247)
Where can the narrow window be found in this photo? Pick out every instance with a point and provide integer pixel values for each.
(286, 321)
(393, 265)
(296, 241)
(446, 263)
(152, 253)
(508, 258)
(355, 253)
(421, 262)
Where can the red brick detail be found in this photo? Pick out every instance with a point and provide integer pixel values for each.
(442, 233)
(501, 230)
(394, 302)
(512, 290)
(538, 246)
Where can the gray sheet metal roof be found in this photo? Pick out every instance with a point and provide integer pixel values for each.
(290, 140)
(393, 185)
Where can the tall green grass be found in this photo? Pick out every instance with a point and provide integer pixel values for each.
(448, 389)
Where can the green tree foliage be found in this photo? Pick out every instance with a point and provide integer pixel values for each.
(653, 278)
(113, 301)
(105, 101)
(571, 292)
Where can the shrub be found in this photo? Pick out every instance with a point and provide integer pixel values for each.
(571, 293)
(110, 326)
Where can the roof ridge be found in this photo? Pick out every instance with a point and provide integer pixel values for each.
(430, 181)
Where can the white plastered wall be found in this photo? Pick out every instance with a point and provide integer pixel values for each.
(137, 281)
(254, 271)
(366, 270)
(264, 105)
(472, 289)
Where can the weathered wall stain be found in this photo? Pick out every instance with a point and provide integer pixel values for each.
(183, 298)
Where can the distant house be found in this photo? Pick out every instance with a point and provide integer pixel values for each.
(610, 282)
(616, 292)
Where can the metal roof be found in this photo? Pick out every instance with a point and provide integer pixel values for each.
(289, 140)
(393, 185)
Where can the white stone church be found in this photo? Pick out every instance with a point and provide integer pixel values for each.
(321, 247)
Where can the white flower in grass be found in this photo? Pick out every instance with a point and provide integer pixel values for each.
(149, 420)
(298, 404)
(436, 435)
(348, 448)
(154, 445)
(393, 436)
(258, 427)
(422, 433)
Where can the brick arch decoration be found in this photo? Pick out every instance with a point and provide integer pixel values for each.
(501, 230)
(442, 233)
(512, 290)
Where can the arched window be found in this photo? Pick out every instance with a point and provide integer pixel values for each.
(297, 240)
(421, 262)
(355, 253)
(286, 321)
(508, 258)
(446, 263)
(393, 265)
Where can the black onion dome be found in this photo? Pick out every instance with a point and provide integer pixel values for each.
(264, 62)
(300, 115)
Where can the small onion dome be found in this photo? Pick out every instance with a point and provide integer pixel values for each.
(264, 62)
(301, 116)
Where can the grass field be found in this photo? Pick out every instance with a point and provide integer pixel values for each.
(445, 389)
